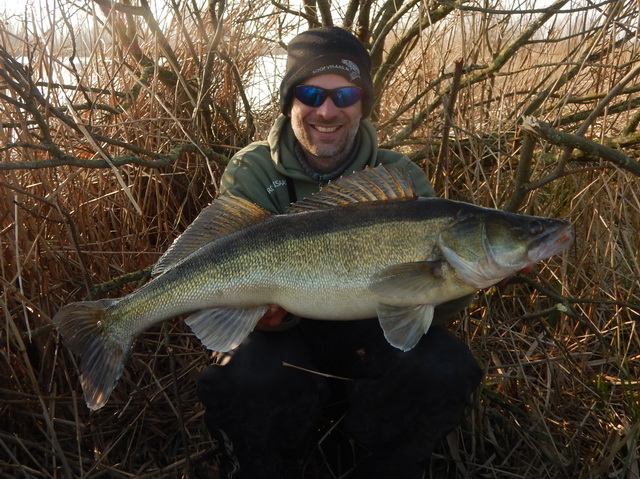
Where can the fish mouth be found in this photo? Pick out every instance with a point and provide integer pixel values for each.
(552, 243)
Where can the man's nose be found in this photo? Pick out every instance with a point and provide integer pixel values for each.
(328, 109)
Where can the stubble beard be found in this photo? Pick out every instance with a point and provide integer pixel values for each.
(337, 153)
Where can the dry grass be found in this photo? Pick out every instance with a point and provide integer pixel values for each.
(561, 397)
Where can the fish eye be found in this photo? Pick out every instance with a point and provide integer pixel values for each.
(536, 228)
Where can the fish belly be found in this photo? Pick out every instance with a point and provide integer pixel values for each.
(331, 304)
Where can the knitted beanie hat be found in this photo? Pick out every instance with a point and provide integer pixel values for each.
(327, 50)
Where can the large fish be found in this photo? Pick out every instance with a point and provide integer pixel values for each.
(364, 246)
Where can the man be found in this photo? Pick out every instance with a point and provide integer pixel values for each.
(268, 399)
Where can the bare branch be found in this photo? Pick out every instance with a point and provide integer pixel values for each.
(310, 18)
(324, 6)
(615, 90)
(495, 11)
(523, 174)
(499, 61)
(443, 154)
(546, 132)
(162, 160)
(404, 44)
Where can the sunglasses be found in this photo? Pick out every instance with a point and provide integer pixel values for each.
(315, 96)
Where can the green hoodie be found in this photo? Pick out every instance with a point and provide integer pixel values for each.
(259, 172)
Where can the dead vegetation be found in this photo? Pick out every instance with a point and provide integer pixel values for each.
(117, 120)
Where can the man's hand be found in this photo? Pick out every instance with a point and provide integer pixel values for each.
(272, 318)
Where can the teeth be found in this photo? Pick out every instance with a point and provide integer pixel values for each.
(326, 129)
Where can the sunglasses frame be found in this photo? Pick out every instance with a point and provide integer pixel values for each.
(324, 93)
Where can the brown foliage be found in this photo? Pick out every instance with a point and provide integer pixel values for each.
(117, 120)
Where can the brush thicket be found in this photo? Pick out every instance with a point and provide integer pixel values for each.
(559, 347)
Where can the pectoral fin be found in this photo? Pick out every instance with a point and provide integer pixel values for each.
(222, 329)
(407, 280)
(403, 326)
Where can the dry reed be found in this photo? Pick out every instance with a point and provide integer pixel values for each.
(560, 348)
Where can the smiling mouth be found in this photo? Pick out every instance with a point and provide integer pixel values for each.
(326, 129)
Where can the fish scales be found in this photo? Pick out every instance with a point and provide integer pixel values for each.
(283, 259)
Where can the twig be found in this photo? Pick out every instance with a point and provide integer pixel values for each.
(99, 289)
(165, 46)
(176, 392)
(68, 221)
(496, 11)
(607, 99)
(501, 58)
(400, 49)
(520, 278)
(326, 375)
(309, 18)
(523, 174)
(621, 107)
(564, 159)
(163, 160)
(545, 131)
(566, 302)
(587, 58)
(443, 154)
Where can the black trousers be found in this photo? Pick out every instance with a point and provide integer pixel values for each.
(397, 405)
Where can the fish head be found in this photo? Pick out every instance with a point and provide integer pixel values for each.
(485, 246)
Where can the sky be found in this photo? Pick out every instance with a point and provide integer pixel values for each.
(16, 6)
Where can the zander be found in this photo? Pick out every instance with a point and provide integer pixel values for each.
(364, 246)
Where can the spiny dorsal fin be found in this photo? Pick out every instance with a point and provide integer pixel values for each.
(225, 215)
(382, 183)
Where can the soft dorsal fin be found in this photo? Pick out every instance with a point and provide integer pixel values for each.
(382, 183)
(225, 215)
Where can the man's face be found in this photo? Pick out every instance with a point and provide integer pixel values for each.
(326, 132)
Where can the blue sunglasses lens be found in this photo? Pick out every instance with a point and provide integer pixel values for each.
(315, 96)
(310, 95)
(346, 96)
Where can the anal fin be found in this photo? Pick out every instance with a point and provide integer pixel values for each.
(222, 329)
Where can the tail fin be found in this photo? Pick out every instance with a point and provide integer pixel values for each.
(84, 330)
